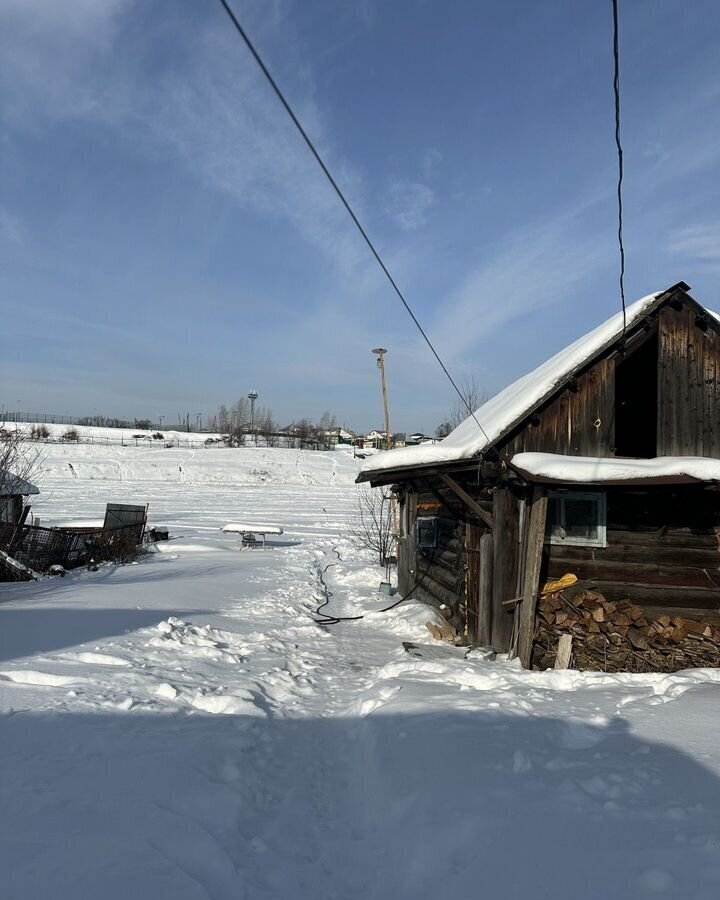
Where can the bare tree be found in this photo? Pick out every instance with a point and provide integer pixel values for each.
(473, 398)
(371, 527)
(20, 460)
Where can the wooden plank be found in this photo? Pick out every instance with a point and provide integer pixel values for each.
(468, 500)
(655, 595)
(485, 593)
(505, 565)
(531, 579)
(564, 651)
(636, 572)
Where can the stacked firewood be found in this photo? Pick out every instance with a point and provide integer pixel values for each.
(618, 636)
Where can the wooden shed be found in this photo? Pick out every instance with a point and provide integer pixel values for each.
(604, 462)
(13, 493)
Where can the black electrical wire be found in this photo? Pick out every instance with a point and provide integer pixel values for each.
(288, 109)
(616, 87)
(335, 620)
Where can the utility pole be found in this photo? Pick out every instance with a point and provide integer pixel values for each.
(380, 353)
(198, 421)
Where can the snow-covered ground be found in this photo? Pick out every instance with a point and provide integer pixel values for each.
(182, 728)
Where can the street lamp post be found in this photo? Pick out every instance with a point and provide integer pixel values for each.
(198, 421)
(380, 353)
(161, 420)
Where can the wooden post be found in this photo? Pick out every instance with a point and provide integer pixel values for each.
(531, 581)
(505, 563)
(485, 591)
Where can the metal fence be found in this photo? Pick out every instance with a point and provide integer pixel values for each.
(261, 441)
(39, 548)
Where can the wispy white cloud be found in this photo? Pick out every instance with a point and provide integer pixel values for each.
(538, 266)
(408, 203)
(49, 52)
(698, 242)
(208, 106)
(12, 229)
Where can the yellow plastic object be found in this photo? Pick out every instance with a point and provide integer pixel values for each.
(552, 587)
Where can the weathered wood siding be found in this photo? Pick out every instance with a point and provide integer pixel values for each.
(506, 556)
(579, 422)
(662, 551)
(688, 385)
(452, 574)
(439, 572)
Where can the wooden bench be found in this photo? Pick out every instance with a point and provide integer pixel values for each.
(250, 532)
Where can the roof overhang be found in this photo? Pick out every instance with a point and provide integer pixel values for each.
(12, 485)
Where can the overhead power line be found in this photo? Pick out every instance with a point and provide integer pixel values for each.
(288, 109)
(616, 87)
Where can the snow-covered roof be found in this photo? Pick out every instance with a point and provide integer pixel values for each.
(12, 485)
(559, 469)
(496, 417)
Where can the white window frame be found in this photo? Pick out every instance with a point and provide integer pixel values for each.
(597, 496)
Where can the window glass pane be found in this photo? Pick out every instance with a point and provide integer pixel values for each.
(554, 517)
(581, 518)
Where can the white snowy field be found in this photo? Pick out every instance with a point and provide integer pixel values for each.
(182, 728)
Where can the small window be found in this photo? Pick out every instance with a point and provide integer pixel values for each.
(426, 532)
(577, 518)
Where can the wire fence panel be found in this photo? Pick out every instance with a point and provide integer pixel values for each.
(39, 548)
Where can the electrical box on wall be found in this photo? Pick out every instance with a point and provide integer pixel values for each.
(426, 532)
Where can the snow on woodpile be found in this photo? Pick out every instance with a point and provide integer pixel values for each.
(597, 470)
(504, 409)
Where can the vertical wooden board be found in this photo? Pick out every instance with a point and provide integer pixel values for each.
(672, 362)
(505, 564)
(714, 399)
(402, 546)
(485, 592)
(606, 432)
(531, 574)
(411, 571)
(707, 377)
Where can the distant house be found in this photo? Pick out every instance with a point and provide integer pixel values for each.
(604, 462)
(375, 439)
(417, 437)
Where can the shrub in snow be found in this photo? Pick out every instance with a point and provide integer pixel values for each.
(39, 433)
(71, 435)
(371, 526)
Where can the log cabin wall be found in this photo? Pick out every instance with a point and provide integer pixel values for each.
(688, 384)
(451, 574)
(662, 551)
(579, 422)
(439, 572)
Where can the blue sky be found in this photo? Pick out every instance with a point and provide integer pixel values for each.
(167, 243)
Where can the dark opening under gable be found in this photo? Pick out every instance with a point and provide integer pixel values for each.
(636, 400)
